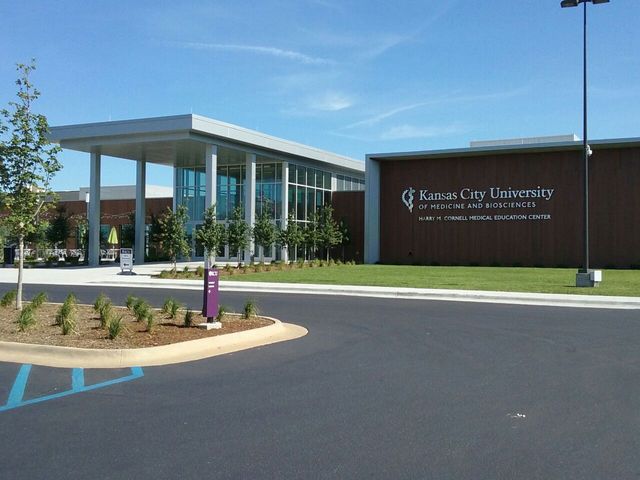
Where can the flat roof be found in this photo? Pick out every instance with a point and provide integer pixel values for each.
(181, 140)
(506, 149)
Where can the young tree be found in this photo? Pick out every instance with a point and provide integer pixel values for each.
(311, 234)
(173, 234)
(238, 233)
(264, 231)
(346, 236)
(59, 228)
(292, 236)
(27, 163)
(212, 235)
(329, 234)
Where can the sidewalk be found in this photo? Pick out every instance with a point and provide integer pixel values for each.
(110, 276)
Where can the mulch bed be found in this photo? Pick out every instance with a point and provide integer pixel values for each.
(89, 334)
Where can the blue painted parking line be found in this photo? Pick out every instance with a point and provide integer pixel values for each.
(16, 395)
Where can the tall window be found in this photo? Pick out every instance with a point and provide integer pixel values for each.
(191, 191)
(230, 189)
(269, 189)
(309, 189)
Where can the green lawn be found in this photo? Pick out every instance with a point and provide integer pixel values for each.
(541, 280)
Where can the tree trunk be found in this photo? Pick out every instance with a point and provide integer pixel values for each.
(20, 268)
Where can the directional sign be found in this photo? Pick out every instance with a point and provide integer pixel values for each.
(210, 303)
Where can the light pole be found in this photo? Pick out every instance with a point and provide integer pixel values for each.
(584, 277)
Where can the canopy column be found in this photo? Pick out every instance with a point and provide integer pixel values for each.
(94, 210)
(141, 209)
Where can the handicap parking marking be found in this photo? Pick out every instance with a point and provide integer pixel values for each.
(16, 394)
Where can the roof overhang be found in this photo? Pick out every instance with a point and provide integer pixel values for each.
(182, 139)
(507, 149)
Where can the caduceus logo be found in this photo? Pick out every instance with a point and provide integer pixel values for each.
(407, 198)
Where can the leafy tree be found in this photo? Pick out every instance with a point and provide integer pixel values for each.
(59, 228)
(292, 236)
(27, 163)
(346, 236)
(238, 232)
(264, 231)
(311, 234)
(212, 235)
(329, 234)
(173, 233)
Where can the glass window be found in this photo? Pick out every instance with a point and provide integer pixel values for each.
(269, 172)
(311, 204)
(302, 175)
(258, 173)
(235, 175)
(327, 198)
(318, 179)
(311, 177)
(292, 173)
(319, 198)
(327, 181)
(292, 200)
(300, 194)
(278, 171)
(278, 200)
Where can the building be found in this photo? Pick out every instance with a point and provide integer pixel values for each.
(214, 163)
(509, 203)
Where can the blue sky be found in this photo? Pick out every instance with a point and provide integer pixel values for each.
(348, 76)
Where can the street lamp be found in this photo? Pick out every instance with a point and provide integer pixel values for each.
(585, 277)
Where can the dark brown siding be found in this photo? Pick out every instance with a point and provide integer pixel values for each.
(349, 208)
(614, 204)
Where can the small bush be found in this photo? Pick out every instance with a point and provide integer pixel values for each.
(106, 313)
(8, 298)
(173, 310)
(141, 310)
(185, 269)
(151, 321)
(221, 312)
(131, 300)
(250, 309)
(188, 318)
(115, 327)
(69, 324)
(26, 318)
(66, 310)
(38, 300)
(168, 305)
(200, 270)
(100, 302)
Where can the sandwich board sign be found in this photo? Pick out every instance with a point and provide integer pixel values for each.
(126, 259)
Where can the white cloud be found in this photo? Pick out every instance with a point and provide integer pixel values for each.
(260, 50)
(331, 102)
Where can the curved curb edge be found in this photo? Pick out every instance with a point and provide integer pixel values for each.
(69, 357)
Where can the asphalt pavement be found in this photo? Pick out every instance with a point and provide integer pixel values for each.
(379, 388)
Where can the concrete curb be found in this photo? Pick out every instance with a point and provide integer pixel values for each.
(68, 357)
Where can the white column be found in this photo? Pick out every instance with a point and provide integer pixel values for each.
(372, 211)
(250, 200)
(141, 209)
(94, 210)
(211, 169)
(285, 205)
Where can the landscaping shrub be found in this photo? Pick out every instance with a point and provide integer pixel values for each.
(221, 312)
(200, 270)
(106, 312)
(250, 309)
(168, 305)
(69, 324)
(188, 318)
(174, 308)
(131, 300)
(141, 310)
(100, 302)
(151, 321)
(115, 327)
(38, 300)
(26, 318)
(8, 298)
(185, 269)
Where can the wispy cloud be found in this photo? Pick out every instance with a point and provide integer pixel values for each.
(259, 50)
(331, 102)
(445, 99)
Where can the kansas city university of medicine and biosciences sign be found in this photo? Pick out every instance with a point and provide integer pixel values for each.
(516, 209)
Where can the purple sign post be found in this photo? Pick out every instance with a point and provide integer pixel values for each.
(210, 304)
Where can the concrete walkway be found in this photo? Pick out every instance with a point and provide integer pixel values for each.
(111, 276)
